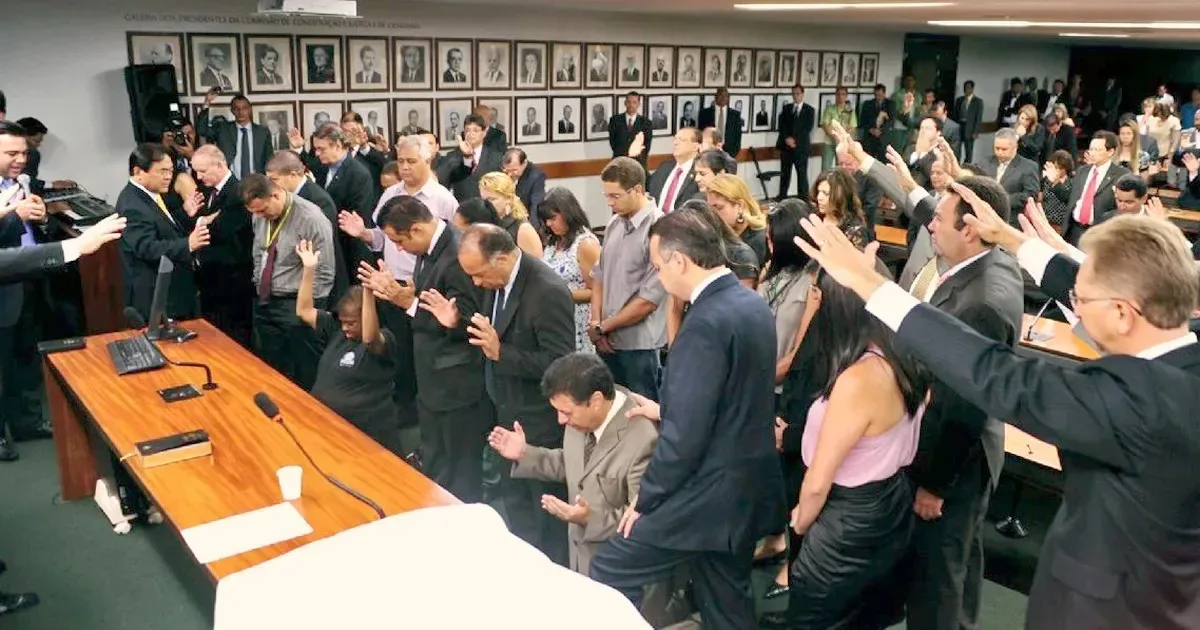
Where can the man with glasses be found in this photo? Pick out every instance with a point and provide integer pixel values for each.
(1092, 198)
(472, 159)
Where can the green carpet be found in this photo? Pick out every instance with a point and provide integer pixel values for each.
(89, 577)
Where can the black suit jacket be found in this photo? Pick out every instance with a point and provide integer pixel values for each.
(1022, 180)
(463, 180)
(449, 369)
(341, 279)
(148, 236)
(988, 296)
(620, 135)
(968, 116)
(1123, 550)
(1005, 110)
(1104, 204)
(496, 139)
(531, 188)
(715, 462)
(226, 136)
(1064, 140)
(374, 159)
(798, 124)
(536, 326)
(231, 236)
(12, 296)
(19, 264)
(732, 130)
(685, 189)
(352, 190)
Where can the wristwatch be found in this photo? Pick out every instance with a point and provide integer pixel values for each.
(599, 329)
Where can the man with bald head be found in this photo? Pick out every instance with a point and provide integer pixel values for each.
(226, 265)
(525, 323)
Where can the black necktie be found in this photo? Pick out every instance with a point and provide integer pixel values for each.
(589, 445)
(244, 163)
(418, 267)
(489, 378)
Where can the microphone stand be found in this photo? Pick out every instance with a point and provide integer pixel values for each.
(1030, 334)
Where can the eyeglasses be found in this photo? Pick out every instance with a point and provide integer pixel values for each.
(1076, 300)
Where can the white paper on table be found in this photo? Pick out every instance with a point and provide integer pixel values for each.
(245, 532)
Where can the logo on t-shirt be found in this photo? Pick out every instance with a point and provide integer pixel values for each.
(348, 359)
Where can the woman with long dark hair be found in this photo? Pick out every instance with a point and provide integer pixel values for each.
(838, 204)
(571, 251)
(475, 210)
(854, 508)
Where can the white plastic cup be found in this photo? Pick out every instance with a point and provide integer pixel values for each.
(289, 481)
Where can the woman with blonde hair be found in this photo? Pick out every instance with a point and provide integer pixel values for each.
(1031, 134)
(500, 189)
(730, 198)
(1129, 148)
(1060, 110)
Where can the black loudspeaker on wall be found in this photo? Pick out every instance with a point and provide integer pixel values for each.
(152, 91)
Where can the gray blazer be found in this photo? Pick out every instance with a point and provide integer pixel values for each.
(609, 483)
(952, 132)
(920, 245)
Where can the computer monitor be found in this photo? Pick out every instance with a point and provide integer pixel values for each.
(159, 325)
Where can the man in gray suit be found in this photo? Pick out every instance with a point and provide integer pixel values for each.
(951, 130)
(603, 455)
(1020, 177)
(968, 112)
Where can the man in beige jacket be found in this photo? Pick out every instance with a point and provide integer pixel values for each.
(603, 456)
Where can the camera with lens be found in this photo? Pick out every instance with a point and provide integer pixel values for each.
(175, 124)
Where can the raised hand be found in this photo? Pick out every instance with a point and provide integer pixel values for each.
(1035, 225)
(903, 173)
(295, 139)
(308, 257)
(1191, 163)
(991, 226)
(443, 310)
(107, 229)
(839, 257)
(510, 445)
(352, 223)
(193, 204)
(1154, 208)
(484, 336)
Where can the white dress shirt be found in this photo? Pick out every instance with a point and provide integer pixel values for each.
(1100, 171)
(437, 234)
(237, 154)
(676, 178)
(713, 276)
(617, 403)
(437, 198)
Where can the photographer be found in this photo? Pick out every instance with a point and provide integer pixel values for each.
(180, 144)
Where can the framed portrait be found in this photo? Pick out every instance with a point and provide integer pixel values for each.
(494, 65)
(831, 69)
(531, 120)
(279, 119)
(313, 114)
(788, 60)
(376, 115)
(599, 66)
(567, 125)
(741, 67)
(159, 49)
(716, 67)
(762, 116)
(764, 68)
(660, 64)
(531, 65)
(688, 69)
(567, 74)
(412, 64)
(454, 64)
(631, 63)
(741, 103)
(367, 60)
(850, 69)
(782, 100)
(687, 110)
(215, 113)
(708, 100)
(661, 114)
(827, 100)
(810, 68)
(868, 74)
(269, 64)
(320, 64)
(500, 110)
(413, 116)
(599, 109)
(452, 114)
(214, 63)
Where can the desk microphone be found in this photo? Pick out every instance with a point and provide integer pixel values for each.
(135, 320)
(1030, 335)
(271, 411)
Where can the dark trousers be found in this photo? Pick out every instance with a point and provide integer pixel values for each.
(1074, 231)
(21, 370)
(399, 324)
(285, 342)
(226, 301)
(452, 444)
(527, 519)
(793, 159)
(946, 557)
(636, 369)
(720, 580)
(968, 151)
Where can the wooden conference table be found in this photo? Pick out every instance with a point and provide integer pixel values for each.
(88, 400)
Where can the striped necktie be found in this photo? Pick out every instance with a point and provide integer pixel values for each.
(924, 279)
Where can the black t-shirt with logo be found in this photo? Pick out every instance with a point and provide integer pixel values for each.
(354, 382)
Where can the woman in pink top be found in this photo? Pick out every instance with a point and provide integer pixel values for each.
(855, 505)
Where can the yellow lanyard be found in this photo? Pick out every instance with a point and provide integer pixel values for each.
(273, 234)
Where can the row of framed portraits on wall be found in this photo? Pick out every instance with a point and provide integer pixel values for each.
(285, 64)
(526, 119)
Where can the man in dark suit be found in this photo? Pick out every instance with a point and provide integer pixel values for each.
(1123, 551)
(527, 321)
(1011, 103)
(1060, 138)
(223, 275)
(1047, 100)
(968, 112)
(454, 62)
(961, 449)
(1020, 177)
(795, 138)
(672, 184)
(876, 118)
(365, 152)
(530, 179)
(454, 411)
(624, 129)
(367, 72)
(246, 144)
(951, 130)
(287, 171)
(348, 182)
(532, 127)
(726, 119)
(713, 486)
(494, 137)
(1092, 200)
(470, 160)
(1110, 104)
(213, 75)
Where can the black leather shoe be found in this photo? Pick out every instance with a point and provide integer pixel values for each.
(776, 590)
(773, 620)
(40, 431)
(7, 452)
(12, 602)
